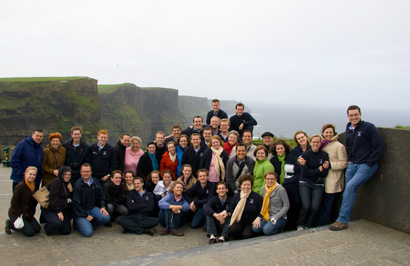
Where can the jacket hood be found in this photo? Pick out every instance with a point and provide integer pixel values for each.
(32, 142)
(62, 170)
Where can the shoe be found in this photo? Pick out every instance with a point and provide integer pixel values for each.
(337, 226)
(300, 228)
(7, 228)
(164, 231)
(221, 239)
(175, 232)
(108, 224)
(212, 241)
(148, 232)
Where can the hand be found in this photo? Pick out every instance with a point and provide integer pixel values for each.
(175, 208)
(60, 216)
(321, 168)
(89, 218)
(257, 222)
(103, 211)
(105, 178)
(222, 221)
(192, 207)
(223, 214)
(55, 172)
(162, 195)
(301, 161)
(326, 165)
(70, 187)
(241, 126)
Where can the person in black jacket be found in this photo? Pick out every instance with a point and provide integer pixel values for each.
(242, 120)
(280, 150)
(119, 148)
(216, 111)
(148, 162)
(115, 196)
(103, 157)
(193, 154)
(59, 214)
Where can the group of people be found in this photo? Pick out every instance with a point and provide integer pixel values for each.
(212, 176)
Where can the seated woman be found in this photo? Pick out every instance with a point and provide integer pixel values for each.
(262, 166)
(169, 159)
(245, 208)
(233, 137)
(311, 182)
(187, 179)
(163, 186)
(54, 158)
(275, 205)
(59, 213)
(133, 155)
(183, 142)
(23, 203)
(280, 150)
(172, 210)
(115, 196)
(153, 179)
(214, 160)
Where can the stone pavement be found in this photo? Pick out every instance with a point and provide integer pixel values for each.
(363, 243)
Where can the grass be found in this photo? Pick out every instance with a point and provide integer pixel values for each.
(109, 88)
(31, 79)
(402, 127)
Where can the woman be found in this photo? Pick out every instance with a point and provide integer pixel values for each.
(172, 210)
(280, 150)
(59, 213)
(129, 181)
(169, 159)
(334, 182)
(262, 165)
(187, 179)
(54, 158)
(245, 208)
(133, 155)
(153, 179)
(163, 186)
(214, 160)
(183, 142)
(275, 205)
(115, 196)
(311, 182)
(23, 203)
(233, 137)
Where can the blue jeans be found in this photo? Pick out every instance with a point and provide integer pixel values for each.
(311, 197)
(326, 209)
(356, 176)
(199, 219)
(85, 227)
(214, 227)
(137, 222)
(168, 219)
(269, 228)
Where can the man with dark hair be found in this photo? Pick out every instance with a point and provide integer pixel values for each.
(216, 111)
(247, 137)
(242, 120)
(193, 153)
(237, 166)
(119, 148)
(161, 148)
(206, 136)
(27, 153)
(176, 132)
(149, 161)
(364, 148)
(103, 157)
(195, 128)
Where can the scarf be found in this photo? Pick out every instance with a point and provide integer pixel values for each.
(237, 213)
(153, 160)
(172, 157)
(130, 187)
(282, 172)
(324, 143)
(30, 184)
(219, 164)
(266, 201)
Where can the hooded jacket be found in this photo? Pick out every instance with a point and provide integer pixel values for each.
(59, 193)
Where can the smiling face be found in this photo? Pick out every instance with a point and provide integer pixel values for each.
(224, 126)
(135, 145)
(207, 134)
(116, 179)
(129, 179)
(86, 173)
(215, 144)
(267, 140)
(247, 138)
(167, 179)
(187, 172)
(202, 178)
(178, 189)
(315, 144)
(159, 138)
(155, 178)
(232, 139)
(125, 140)
(240, 153)
(270, 180)
(102, 139)
(31, 175)
(246, 186)
(55, 142)
(151, 148)
(183, 142)
(301, 139)
(67, 176)
(198, 123)
(216, 106)
(176, 132)
(138, 185)
(215, 122)
(171, 149)
(280, 149)
(328, 134)
(221, 190)
(37, 137)
(196, 141)
(76, 136)
(260, 155)
(354, 117)
(239, 110)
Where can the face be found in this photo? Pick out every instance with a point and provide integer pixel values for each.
(354, 117)
(240, 152)
(183, 142)
(301, 139)
(198, 123)
(247, 138)
(125, 140)
(176, 132)
(151, 148)
(187, 172)
(214, 122)
(102, 139)
(207, 135)
(55, 142)
(315, 143)
(260, 155)
(167, 178)
(159, 138)
(138, 184)
(67, 176)
(129, 179)
(116, 179)
(196, 141)
(178, 189)
(31, 175)
(215, 144)
(86, 172)
(246, 186)
(280, 150)
(221, 190)
(239, 110)
(267, 140)
(216, 106)
(76, 136)
(37, 137)
(155, 178)
(270, 180)
(328, 134)
(135, 145)
(171, 149)
(232, 139)
(224, 126)
(202, 177)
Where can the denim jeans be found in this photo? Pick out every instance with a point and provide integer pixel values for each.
(137, 222)
(168, 219)
(85, 227)
(326, 209)
(199, 219)
(311, 197)
(269, 228)
(214, 227)
(356, 176)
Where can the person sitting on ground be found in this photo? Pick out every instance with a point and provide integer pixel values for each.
(172, 210)
(216, 111)
(244, 209)
(193, 154)
(233, 137)
(183, 142)
(187, 179)
(24, 205)
(169, 159)
(280, 150)
(275, 205)
(262, 165)
(247, 137)
(133, 155)
(140, 204)
(153, 179)
(149, 161)
(115, 196)
(163, 186)
(216, 214)
(224, 129)
(238, 166)
(54, 158)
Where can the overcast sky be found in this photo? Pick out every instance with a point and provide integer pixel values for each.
(332, 53)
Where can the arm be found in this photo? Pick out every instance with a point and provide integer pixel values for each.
(16, 162)
(46, 163)
(108, 198)
(341, 158)
(285, 207)
(249, 120)
(164, 204)
(77, 201)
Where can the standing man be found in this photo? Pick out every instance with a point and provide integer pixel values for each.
(268, 139)
(224, 129)
(159, 143)
(242, 120)
(103, 157)
(364, 149)
(206, 136)
(216, 111)
(215, 121)
(176, 132)
(193, 153)
(27, 153)
(119, 148)
(196, 127)
(77, 153)
(89, 202)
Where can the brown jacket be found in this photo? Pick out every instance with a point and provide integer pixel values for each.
(22, 202)
(50, 163)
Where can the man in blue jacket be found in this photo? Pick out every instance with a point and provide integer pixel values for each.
(103, 157)
(364, 149)
(242, 120)
(27, 153)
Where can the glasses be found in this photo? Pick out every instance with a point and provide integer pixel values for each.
(85, 171)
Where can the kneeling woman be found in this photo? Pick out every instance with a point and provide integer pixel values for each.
(23, 203)
(275, 205)
(59, 213)
(245, 208)
(172, 210)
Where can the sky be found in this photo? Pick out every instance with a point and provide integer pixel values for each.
(298, 52)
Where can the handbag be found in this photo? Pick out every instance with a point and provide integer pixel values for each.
(42, 197)
(19, 223)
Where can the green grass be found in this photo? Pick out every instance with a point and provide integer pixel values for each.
(402, 127)
(108, 88)
(31, 79)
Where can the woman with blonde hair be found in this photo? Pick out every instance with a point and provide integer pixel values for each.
(133, 155)
(214, 160)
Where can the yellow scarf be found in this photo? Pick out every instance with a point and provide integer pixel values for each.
(237, 213)
(219, 164)
(30, 184)
(266, 201)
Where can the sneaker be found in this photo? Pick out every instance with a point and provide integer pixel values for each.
(164, 231)
(175, 232)
(300, 228)
(337, 226)
(221, 239)
(212, 241)
(148, 232)
(7, 227)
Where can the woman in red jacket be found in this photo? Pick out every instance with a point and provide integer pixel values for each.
(169, 159)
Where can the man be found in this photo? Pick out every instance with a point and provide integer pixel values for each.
(103, 157)
(148, 162)
(216, 111)
(119, 148)
(206, 136)
(224, 129)
(161, 148)
(195, 128)
(247, 138)
(364, 149)
(27, 153)
(89, 202)
(77, 153)
(268, 139)
(176, 132)
(242, 120)
(216, 214)
(237, 166)
(193, 153)
(140, 204)
(198, 195)
(215, 121)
